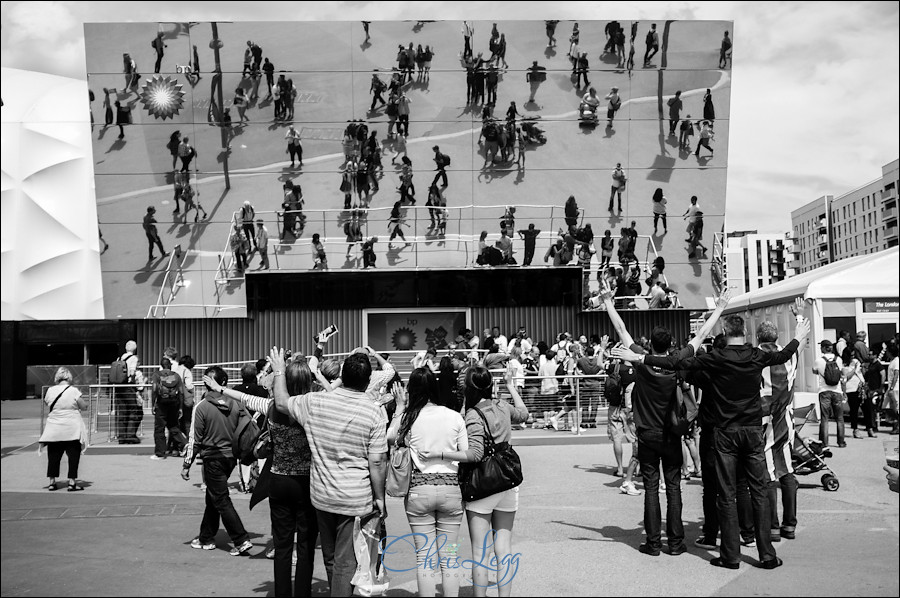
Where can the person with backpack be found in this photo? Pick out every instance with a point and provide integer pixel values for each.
(128, 405)
(658, 392)
(213, 438)
(831, 398)
(735, 380)
(167, 396)
(442, 161)
(652, 43)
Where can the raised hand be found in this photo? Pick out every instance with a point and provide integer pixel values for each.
(212, 384)
(802, 331)
(625, 354)
(723, 299)
(400, 396)
(276, 359)
(798, 306)
(605, 292)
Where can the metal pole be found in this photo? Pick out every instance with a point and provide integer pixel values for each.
(578, 406)
(216, 44)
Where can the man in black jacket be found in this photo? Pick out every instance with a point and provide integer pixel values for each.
(735, 374)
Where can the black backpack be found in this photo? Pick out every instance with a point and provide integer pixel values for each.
(118, 371)
(612, 389)
(684, 409)
(169, 390)
(832, 373)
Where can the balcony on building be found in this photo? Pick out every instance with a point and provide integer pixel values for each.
(888, 214)
(888, 194)
(823, 239)
(823, 224)
(890, 232)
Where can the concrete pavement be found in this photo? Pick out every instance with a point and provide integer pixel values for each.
(576, 534)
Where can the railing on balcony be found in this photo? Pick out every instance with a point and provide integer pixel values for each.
(888, 194)
(889, 214)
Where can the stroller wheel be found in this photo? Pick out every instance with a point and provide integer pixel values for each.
(830, 482)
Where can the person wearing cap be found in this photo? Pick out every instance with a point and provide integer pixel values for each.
(615, 102)
(831, 397)
(152, 233)
(248, 214)
(441, 161)
(262, 243)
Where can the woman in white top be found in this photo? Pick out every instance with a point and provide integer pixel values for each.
(434, 503)
(853, 376)
(659, 210)
(64, 431)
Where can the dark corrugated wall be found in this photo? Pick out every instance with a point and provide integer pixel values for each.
(223, 339)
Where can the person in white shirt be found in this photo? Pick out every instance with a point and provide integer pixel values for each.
(691, 216)
(831, 397)
(434, 506)
(500, 340)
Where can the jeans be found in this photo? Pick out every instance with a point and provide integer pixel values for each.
(218, 503)
(788, 484)
(128, 415)
(831, 404)
(658, 446)
(337, 549)
(656, 218)
(154, 240)
(55, 450)
(166, 416)
(292, 514)
(742, 447)
(711, 490)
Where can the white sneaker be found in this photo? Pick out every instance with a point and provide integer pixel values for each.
(577, 431)
(629, 489)
(554, 423)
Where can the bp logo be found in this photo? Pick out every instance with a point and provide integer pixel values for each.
(404, 339)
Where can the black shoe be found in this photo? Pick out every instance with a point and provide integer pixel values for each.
(644, 548)
(676, 551)
(842, 445)
(771, 564)
(788, 534)
(718, 562)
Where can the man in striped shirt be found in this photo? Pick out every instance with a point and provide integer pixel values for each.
(346, 431)
(777, 394)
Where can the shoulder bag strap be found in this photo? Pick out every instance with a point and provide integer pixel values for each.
(488, 436)
(58, 397)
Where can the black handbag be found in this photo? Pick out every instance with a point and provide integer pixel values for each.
(499, 470)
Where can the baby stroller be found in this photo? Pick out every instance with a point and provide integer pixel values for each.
(533, 133)
(808, 456)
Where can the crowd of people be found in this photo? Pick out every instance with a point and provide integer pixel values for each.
(332, 425)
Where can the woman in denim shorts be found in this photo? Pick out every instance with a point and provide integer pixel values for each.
(498, 511)
(434, 503)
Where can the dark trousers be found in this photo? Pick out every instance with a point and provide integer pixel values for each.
(292, 514)
(857, 399)
(296, 151)
(337, 550)
(582, 74)
(742, 447)
(240, 259)
(250, 232)
(165, 416)
(441, 175)
(660, 447)
(492, 94)
(403, 122)
(154, 240)
(186, 163)
(218, 502)
(128, 415)
(529, 254)
(788, 484)
(55, 450)
(831, 405)
(711, 491)
(704, 142)
(264, 257)
(376, 97)
(159, 57)
(612, 194)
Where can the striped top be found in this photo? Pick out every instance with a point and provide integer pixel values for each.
(343, 428)
(291, 455)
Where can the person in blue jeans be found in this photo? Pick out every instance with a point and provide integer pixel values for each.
(211, 438)
(651, 400)
(831, 396)
(735, 380)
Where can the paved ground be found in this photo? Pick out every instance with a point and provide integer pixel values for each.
(136, 172)
(127, 534)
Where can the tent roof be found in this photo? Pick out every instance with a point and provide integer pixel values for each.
(872, 275)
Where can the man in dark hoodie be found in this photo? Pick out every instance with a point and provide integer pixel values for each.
(211, 438)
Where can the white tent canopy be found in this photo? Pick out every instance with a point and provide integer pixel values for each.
(872, 275)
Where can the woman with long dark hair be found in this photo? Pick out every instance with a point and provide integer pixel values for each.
(434, 503)
(659, 210)
(290, 507)
(493, 515)
(447, 382)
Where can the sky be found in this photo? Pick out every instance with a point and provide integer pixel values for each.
(814, 99)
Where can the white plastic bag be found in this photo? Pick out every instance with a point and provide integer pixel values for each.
(370, 578)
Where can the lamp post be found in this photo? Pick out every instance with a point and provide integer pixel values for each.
(216, 44)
